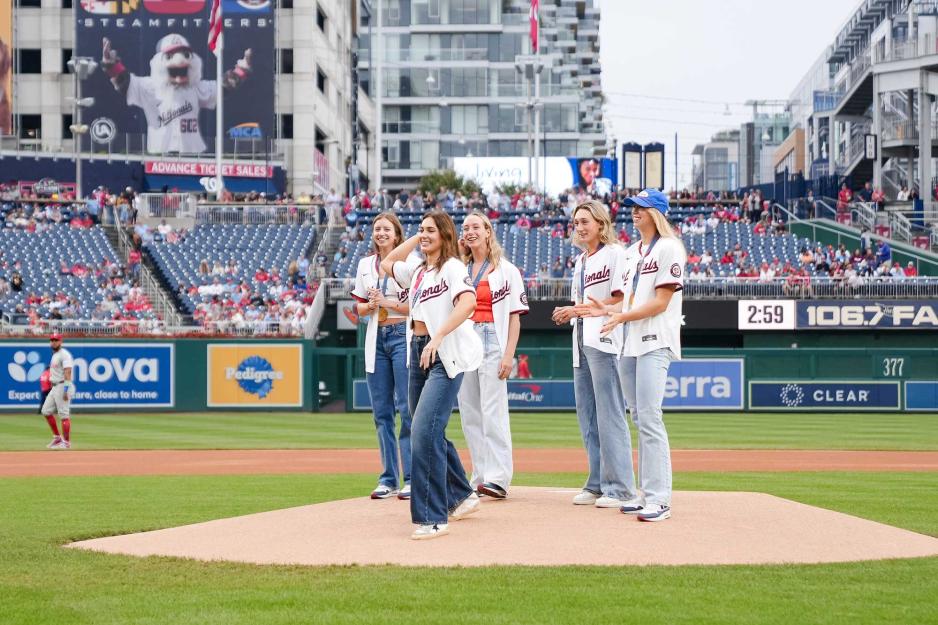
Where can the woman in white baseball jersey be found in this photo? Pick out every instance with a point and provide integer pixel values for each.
(442, 347)
(654, 278)
(58, 401)
(483, 396)
(600, 407)
(384, 303)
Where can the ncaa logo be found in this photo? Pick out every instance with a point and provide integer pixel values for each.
(103, 130)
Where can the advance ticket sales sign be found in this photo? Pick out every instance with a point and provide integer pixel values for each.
(838, 314)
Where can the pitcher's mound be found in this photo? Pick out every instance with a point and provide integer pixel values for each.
(536, 526)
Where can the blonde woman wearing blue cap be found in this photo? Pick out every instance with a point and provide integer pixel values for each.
(653, 280)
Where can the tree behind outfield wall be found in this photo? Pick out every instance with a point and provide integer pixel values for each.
(448, 178)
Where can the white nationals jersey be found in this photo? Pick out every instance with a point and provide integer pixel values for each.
(600, 275)
(433, 297)
(508, 298)
(662, 265)
(172, 114)
(61, 360)
(368, 277)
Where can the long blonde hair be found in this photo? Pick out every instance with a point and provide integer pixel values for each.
(495, 253)
(607, 232)
(662, 225)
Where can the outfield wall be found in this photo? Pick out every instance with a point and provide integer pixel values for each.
(198, 374)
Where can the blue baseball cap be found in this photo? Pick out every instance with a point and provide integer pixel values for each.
(649, 198)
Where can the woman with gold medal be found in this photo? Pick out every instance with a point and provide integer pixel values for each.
(384, 305)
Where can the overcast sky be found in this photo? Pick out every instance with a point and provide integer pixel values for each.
(723, 51)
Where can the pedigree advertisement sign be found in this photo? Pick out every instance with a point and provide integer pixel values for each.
(249, 375)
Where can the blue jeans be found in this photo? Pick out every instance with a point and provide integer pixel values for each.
(643, 381)
(438, 483)
(600, 410)
(388, 389)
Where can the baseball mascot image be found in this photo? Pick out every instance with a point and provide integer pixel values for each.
(6, 66)
(173, 94)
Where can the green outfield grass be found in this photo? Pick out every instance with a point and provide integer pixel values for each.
(278, 430)
(42, 583)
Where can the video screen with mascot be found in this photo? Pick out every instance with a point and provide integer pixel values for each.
(155, 89)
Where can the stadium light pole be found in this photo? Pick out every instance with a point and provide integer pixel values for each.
(82, 67)
(379, 99)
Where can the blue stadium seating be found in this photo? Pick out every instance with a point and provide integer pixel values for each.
(41, 255)
(252, 247)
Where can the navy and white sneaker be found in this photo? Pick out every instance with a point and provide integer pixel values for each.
(632, 506)
(405, 493)
(655, 512)
(383, 492)
(492, 490)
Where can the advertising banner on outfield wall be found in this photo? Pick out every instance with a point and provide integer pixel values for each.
(106, 375)
(838, 314)
(828, 395)
(921, 396)
(693, 384)
(155, 87)
(245, 375)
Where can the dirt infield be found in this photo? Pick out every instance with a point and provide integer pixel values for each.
(539, 527)
(276, 461)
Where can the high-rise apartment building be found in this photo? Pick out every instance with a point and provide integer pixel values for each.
(453, 82)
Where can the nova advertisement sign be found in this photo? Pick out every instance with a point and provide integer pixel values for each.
(106, 375)
(827, 395)
(698, 384)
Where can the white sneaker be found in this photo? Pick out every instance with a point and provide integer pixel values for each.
(609, 502)
(633, 506)
(469, 505)
(431, 530)
(383, 492)
(655, 512)
(55, 442)
(585, 498)
(405, 493)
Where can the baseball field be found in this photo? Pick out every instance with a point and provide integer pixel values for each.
(119, 479)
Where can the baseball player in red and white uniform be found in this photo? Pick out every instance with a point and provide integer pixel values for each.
(58, 401)
(173, 94)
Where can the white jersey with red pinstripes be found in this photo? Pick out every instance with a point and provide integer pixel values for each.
(662, 266)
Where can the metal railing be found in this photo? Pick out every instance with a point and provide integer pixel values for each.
(815, 288)
(559, 289)
(134, 145)
(864, 214)
(900, 228)
(907, 49)
(257, 214)
(149, 327)
(905, 130)
(161, 302)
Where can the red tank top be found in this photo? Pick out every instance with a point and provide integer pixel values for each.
(483, 313)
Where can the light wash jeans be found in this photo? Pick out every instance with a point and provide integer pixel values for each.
(438, 482)
(388, 389)
(483, 406)
(605, 430)
(643, 381)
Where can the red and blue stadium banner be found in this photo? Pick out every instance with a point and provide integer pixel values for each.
(827, 395)
(166, 103)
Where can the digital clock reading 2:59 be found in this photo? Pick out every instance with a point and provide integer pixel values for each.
(766, 314)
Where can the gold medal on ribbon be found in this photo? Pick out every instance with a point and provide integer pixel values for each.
(382, 314)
